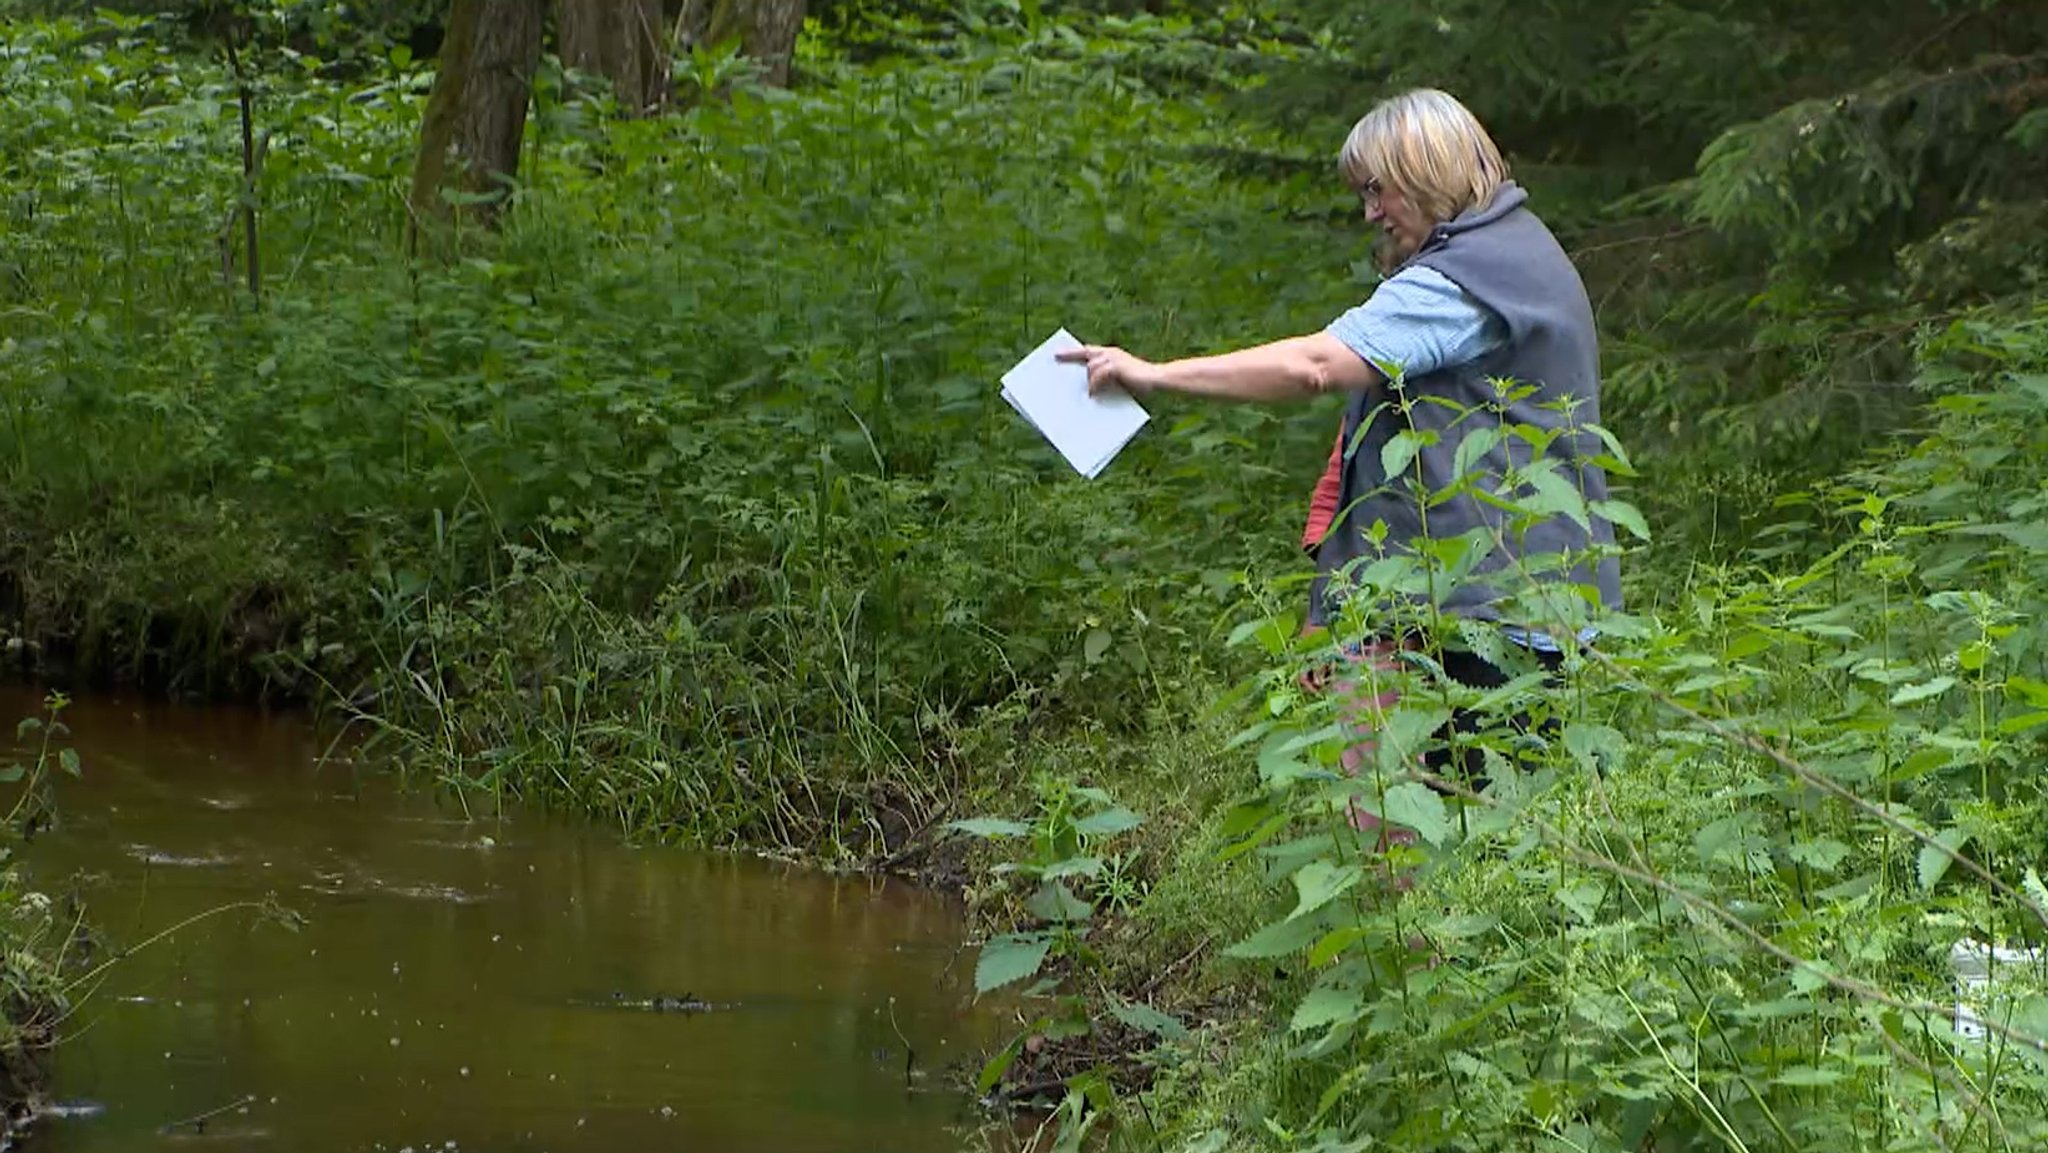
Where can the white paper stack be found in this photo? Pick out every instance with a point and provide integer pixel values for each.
(1053, 397)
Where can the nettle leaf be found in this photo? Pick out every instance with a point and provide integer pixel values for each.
(1599, 748)
(1333, 943)
(1583, 899)
(1010, 958)
(1327, 1006)
(1822, 854)
(1806, 1076)
(67, 759)
(1923, 690)
(1473, 449)
(1407, 728)
(1555, 494)
(1147, 1019)
(10, 774)
(1095, 645)
(990, 827)
(1935, 864)
(1055, 902)
(1108, 823)
(1419, 808)
(1400, 452)
(1624, 514)
(2034, 887)
(998, 1065)
(1319, 883)
(1279, 939)
(1073, 867)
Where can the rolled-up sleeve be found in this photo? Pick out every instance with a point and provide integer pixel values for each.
(1419, 321)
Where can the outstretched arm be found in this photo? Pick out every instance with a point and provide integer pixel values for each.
(1299, 366)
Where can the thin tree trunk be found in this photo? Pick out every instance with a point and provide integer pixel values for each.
(766, 29)
(476, 113)
(252, 252)
(620, 40)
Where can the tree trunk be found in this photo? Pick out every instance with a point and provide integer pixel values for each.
(767, 30)
(621, 40)
(476, 113)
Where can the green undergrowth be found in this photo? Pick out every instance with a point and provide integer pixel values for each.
(38, 933)
(689, 499)
(1724, 902)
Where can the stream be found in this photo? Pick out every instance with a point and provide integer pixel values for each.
(445, 983)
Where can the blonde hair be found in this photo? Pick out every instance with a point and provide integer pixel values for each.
(1431, 147)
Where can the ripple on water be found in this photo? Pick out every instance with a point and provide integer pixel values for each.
(152, 856)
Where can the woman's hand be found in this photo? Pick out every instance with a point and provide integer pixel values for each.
(1109, 366)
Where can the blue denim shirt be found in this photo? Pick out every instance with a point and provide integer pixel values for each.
(1419, 321)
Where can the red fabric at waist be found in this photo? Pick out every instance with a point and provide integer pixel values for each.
(1322, 506)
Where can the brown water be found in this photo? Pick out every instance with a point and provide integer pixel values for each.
(453, 983)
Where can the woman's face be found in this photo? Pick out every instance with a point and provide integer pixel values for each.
(1402, 226)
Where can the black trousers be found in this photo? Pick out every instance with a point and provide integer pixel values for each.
(1461, 759)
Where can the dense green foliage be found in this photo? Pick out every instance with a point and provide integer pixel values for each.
(1717, 909)
(688, 499)
(712, 419)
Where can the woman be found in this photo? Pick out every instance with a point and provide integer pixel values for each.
(1477, 291)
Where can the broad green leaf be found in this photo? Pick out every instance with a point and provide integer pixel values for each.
(1923, 690)
(1108, 822)
(1923, 761)
(1555, 494)
(1399, 453)
(2035, 692)
(1008, 958)
(1408, 729)
(1334, 942)
(1279, 939)
(1327, 1006)
(1095, 645)
(1253, 839)
(1141, 1016)
(1055, 902)
(2031, 535)
(1821, 853)
(1934, 864)
(1473, 449)
(1466, 925)
(67, 759)
(1614, 448)
(1419, 808)
(1583, 899)
(2023, 722)
(10, 774)
(1073, 867)
(998, 1065)
(1600, 749)
(1806, 1076)
(990, 827)
(1624, 514)
(1320, 882)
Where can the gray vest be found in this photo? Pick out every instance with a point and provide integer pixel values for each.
(1505, 258)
